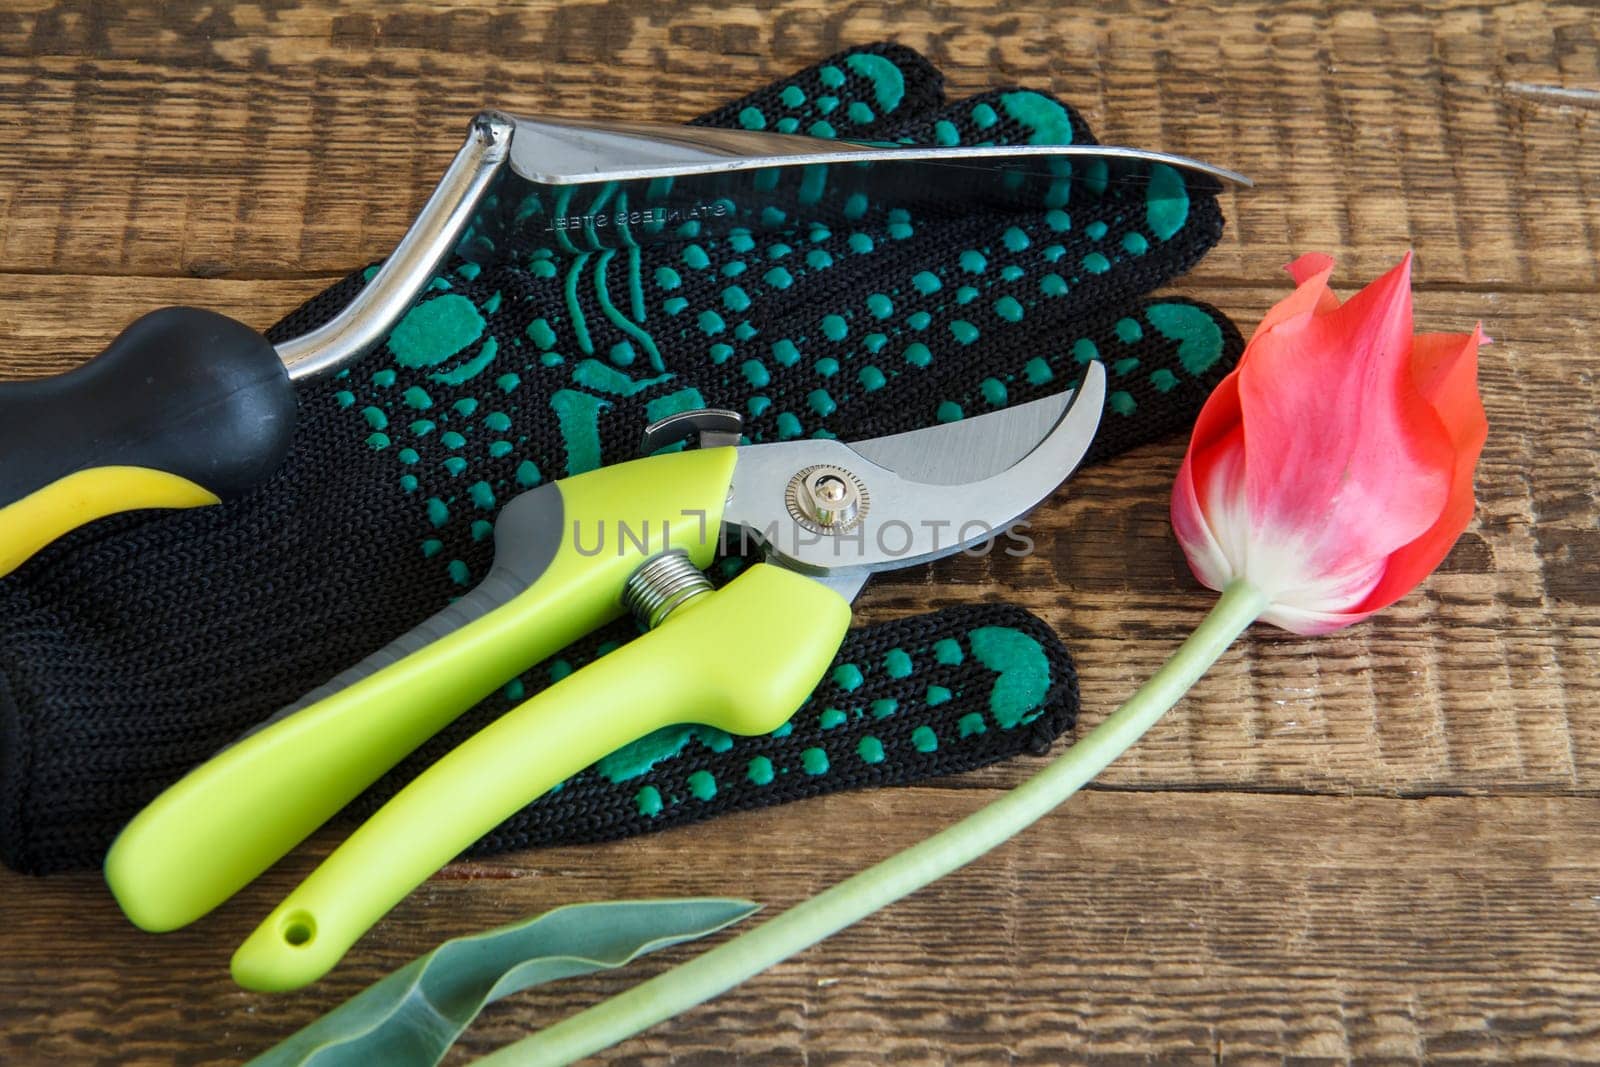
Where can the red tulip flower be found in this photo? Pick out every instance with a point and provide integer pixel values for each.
(1327, 476)
(1332, 470)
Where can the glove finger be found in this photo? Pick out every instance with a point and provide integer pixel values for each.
(1163, 356)
(996, 116)
(863, 92)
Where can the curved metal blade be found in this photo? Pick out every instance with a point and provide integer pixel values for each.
(568, 151)
(911, 516)
(583, 185)
(971, 449)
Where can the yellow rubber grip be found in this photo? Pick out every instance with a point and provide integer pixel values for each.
(29, 524)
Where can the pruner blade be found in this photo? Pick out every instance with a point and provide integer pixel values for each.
(578, 185)
(841, 512)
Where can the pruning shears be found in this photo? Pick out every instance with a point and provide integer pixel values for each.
(570, 556)
(187, 407)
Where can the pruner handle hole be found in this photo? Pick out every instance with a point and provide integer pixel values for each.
(299, 929)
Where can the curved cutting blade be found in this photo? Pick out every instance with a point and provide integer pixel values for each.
(916, 496)
(567, 151)
(586, 185)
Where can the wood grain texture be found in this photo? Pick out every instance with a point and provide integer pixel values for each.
(1176, 928)
(183, 139)
(1286, 869)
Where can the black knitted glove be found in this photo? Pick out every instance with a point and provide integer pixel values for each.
(135, 648)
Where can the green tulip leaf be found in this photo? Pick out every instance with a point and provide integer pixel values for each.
(414, 1015)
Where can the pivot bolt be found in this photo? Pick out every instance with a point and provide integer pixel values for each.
(827, 499)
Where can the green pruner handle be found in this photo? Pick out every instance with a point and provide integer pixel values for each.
(742, 659)
(185, 408)
(563, 553)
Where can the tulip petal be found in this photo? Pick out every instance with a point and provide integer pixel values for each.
(1310, 297)
(1218, 418)
(1308, 623)
(1306, 268)
(1309, 266)
(1224, 503)
(1346, 460)
(1445, 369)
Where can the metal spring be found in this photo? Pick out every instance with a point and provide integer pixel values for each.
(661, 585)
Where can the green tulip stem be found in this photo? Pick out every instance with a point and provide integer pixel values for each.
(720, 969)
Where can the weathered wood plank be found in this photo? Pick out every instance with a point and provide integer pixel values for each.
(1488, 679)
(241, 156)
(50, 323)
(1175, 928)
(290, 138)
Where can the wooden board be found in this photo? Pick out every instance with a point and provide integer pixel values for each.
(1286, 867)
(275, 139)
(1171, 927)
